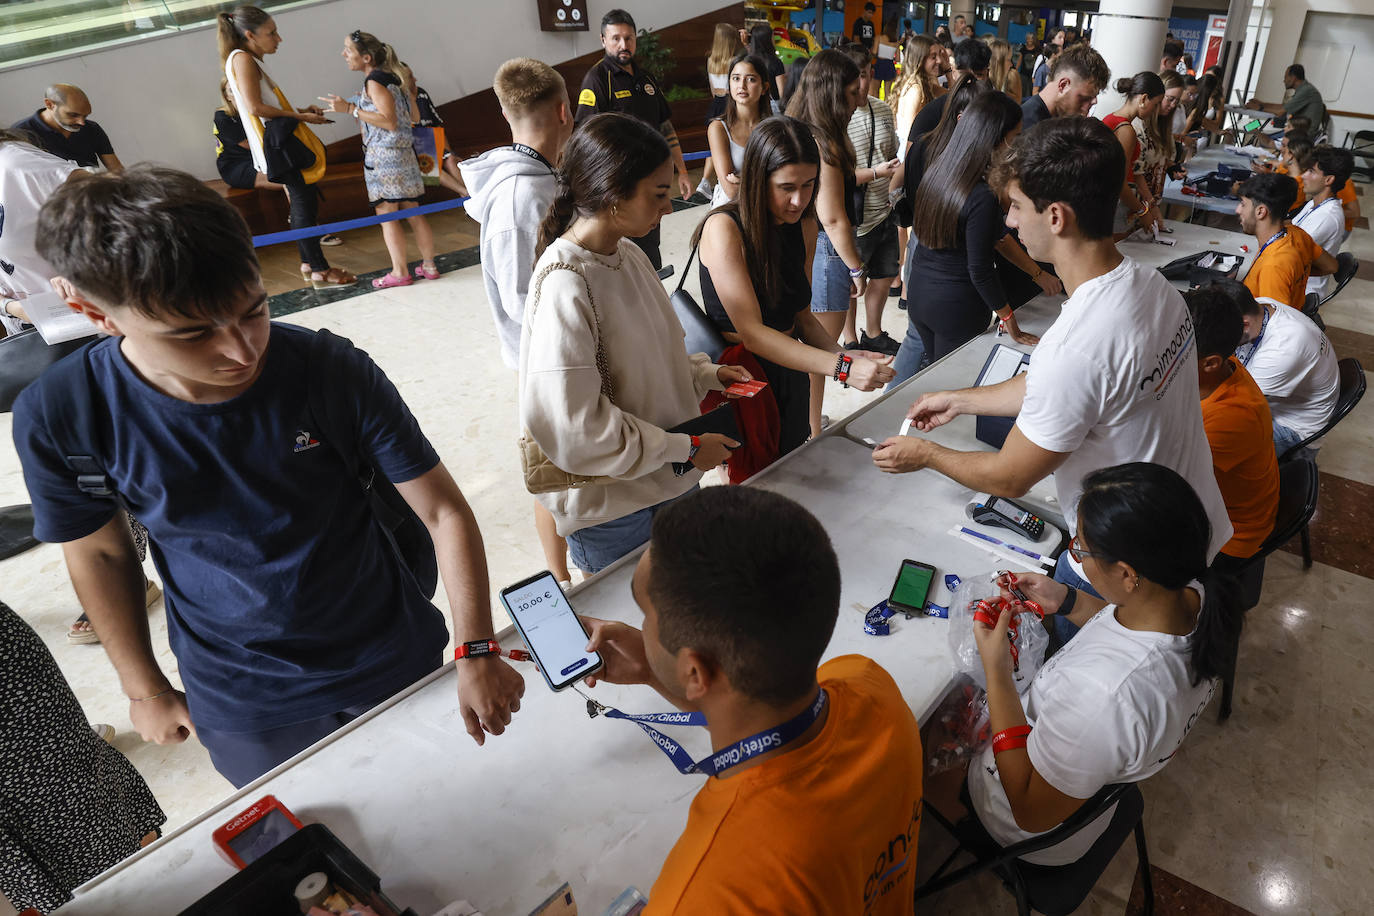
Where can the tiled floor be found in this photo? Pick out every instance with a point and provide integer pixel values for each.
(1269, 813)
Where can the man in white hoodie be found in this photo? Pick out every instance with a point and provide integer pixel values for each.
(511, 190)
(512, 187)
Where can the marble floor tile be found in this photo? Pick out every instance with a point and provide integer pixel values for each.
(1340, 532)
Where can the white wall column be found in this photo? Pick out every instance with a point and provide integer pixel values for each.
(1129, 34)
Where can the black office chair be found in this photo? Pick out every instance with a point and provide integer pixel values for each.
(23, 357)
(1298, 490)
(1055, 890)
(1351, 390)
(1346, 265)
(1310, 304)
(1361, 143)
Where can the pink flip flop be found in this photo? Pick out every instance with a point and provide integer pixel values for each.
(389, 279)
(428, 273)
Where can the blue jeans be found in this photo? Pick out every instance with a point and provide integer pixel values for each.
(1063, 628)
(242, 757)
(1285, 438)
(911, 356)
(595, 548)
(830, 282)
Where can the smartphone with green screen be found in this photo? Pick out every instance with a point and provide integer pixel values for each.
(912, 587)
(1254, 125)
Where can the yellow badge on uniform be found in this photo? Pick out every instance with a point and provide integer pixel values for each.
(588, 97)
(623, 94)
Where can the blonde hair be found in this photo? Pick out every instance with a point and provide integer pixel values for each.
(723, 49)
(224, 93)
(1000, 68)
(914, 69)
(382, 54)
(524, 84)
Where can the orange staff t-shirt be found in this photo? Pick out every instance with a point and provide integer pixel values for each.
(1281, 271)
(829, 827)
(1240, 430)
(1346, 195)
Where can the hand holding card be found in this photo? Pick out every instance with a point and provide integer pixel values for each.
(746, 389)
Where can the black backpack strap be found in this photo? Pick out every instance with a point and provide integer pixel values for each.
(326, 382)
(75, 422)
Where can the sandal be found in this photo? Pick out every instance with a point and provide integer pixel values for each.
(334, 276)
(82, 636)
(426, 273)
(389, 279)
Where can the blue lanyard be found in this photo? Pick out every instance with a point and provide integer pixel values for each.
(1253, 346)
(1272, 239)
(741, 751)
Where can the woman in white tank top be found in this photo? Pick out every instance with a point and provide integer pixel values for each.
(729, 134)
(246, 35)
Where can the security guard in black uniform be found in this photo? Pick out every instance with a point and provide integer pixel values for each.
(616, 84)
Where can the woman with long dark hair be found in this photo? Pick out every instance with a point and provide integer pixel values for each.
(756, 255)
(1205, 114)
(761, 45)
(245, 36)
(603, 371)
(954, 287)
(1115, 703)
(1143, 93)
(827, 98)
(728, 135)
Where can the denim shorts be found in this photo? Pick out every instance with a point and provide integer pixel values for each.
(880, 251)
(593, 549)
(830, 283)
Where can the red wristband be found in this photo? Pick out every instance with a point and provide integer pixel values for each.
(696, 442)
(477, 647)
(1010, 739)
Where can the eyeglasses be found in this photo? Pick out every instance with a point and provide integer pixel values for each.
(1077, 552)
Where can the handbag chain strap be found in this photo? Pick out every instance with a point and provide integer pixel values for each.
(602, 365)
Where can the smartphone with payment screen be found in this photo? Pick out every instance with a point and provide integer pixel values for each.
(912, 587)
(552, 631)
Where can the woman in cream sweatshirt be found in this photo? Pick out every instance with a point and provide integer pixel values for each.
(615, 183)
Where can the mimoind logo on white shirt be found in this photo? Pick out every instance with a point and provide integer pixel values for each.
(1173, 356)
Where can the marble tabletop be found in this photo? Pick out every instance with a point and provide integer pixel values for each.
(561, 797)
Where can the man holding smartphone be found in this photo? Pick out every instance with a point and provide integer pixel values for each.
(740, 590)
(1114, 380)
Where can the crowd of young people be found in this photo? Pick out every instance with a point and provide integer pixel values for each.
(1167, 487)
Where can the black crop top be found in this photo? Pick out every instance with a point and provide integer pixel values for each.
(794, 294)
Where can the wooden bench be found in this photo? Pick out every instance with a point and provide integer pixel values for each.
(343, 195)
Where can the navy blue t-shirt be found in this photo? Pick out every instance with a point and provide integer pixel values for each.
(284, 600)
(84, 147)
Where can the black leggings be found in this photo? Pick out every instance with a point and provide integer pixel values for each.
(305, 211)
(947, 315)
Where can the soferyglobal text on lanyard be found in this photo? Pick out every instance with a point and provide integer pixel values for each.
(740, 752)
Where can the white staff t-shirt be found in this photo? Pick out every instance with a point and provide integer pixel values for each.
(1295, 366)
(28, 177)
(1112, 706)
(1325, 222)
(1114, 380)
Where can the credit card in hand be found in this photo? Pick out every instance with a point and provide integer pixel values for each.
(746, 389)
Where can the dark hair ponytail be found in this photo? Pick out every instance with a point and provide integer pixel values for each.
(1149, 517)
(1146, 82)
(560, 214)
(604, 162)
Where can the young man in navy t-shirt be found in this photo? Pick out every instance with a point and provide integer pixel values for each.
(287, 609)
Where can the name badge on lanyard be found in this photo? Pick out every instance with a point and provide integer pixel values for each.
(740, 752)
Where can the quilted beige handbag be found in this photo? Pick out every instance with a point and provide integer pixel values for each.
(541, 474)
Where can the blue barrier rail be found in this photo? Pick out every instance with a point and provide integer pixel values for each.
(295, 235)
